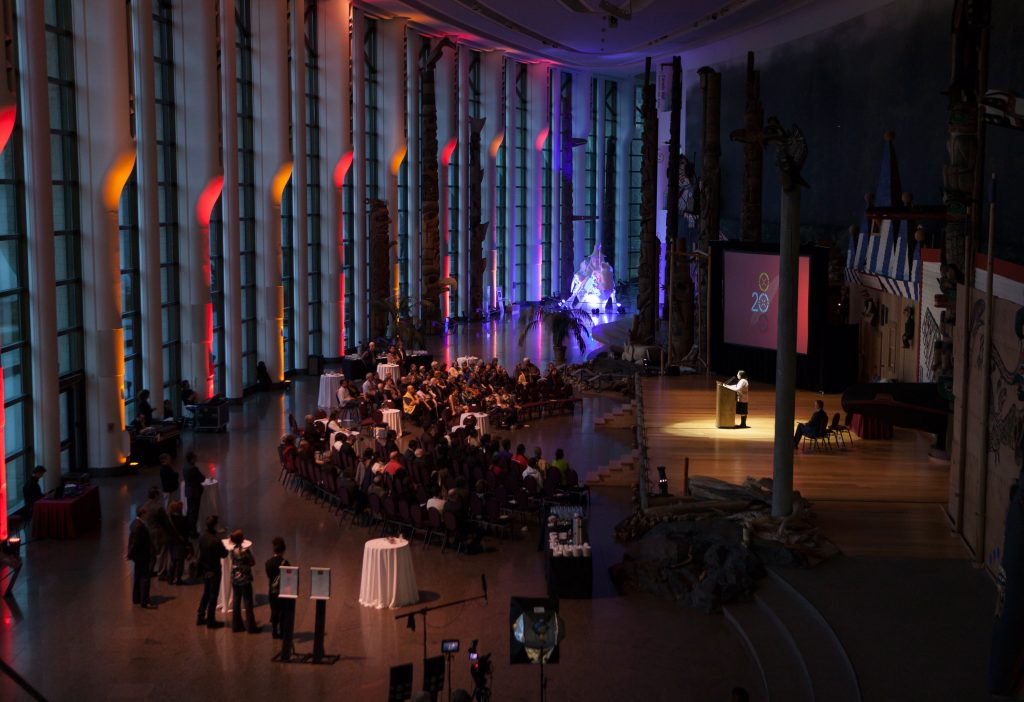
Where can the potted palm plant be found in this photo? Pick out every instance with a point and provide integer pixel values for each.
(563, 323)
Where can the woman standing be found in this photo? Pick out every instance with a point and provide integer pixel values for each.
(241, 583)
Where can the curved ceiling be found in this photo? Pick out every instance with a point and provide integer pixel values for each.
(614, 36)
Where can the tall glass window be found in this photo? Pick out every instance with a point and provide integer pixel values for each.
(404, 267)
(453, 200)
(167, 196)
(590, 175)
(611, 132)
(313, 205)
(501, 205)
(14, 315)
(635, 165)
(371, 95)
(287, 279)
(547, 191)
(520, 166)
(67, 233)
(246, 188)
(217, 294)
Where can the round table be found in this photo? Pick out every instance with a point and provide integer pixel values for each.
(226, 594)
(388, 578)
(209, 504)
(389, 370)
(393, 418)
(327, 398)
(483, 422)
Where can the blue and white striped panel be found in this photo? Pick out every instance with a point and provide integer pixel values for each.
(899, 269)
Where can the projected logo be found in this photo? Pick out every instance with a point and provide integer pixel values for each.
(761, 301)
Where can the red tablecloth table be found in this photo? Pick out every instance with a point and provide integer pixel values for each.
(870, 428)
(67, 517)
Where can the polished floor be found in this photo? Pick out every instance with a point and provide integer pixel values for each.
(71, 631)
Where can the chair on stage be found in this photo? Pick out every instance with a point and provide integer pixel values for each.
(838, 430)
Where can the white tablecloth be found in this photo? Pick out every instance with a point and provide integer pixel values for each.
(393, 418)
(210, 502)
(224, 598)
(388, 578)
(464, 360)
(388, 370)
(483, 422)
(327, 398)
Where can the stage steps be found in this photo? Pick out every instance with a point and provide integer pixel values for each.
(622, 417)
(798, 653)
(618, 473)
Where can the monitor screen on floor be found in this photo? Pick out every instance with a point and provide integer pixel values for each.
(750, 286)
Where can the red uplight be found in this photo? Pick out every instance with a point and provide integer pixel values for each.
(207, 199)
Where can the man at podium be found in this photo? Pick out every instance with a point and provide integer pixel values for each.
(742, 389)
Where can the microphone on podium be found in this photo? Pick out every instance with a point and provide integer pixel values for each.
(483, 581)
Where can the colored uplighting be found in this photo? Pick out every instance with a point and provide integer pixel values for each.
(397, 158)
(8, 113)
(208, 344)
(541, 138)
(116, 177)
(279, 181)
(448, 150)
(341, 169)
(496, 144)
(207, 199)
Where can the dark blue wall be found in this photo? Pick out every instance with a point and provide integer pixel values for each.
(845, 87)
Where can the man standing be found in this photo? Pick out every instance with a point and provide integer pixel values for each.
(816, 426)
(211, 553)
(369, 356)
(273, 568)
(742, 389)
(168, 478)
(33, 491)
(140, 553)
(194, 480)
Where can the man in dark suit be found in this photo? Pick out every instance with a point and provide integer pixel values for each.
(816, 426)
(168, 477)
(369, 356)
(211, 553)
(140, 553)
(33, 491)
(194, 479)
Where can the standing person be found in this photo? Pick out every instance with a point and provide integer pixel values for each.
(158, 524)
(169, 478)
(273, 567)
(211, 553)
(241, 584)
(178, 545)
(33, 491)
(742, 389)
(145, 408)
(140, 553)
(194, 480)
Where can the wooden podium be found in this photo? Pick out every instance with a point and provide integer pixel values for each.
(725, 406)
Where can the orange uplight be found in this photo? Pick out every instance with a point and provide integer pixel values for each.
(448, 150)
(397, 158)
(117, 176)
(279, 181)
(207, 199)
(341, 169)
(496, 144)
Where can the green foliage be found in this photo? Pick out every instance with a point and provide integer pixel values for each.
(561, 322)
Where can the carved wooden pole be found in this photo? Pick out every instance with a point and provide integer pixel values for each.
(608, 208)
(753, 156)
(680, 298)
(650, 248)
(566, 255)
(430, 207)
(477, 229)
(792, 151)
(710, 189)
(380, 267)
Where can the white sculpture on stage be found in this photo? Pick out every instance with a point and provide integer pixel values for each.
(593, 283)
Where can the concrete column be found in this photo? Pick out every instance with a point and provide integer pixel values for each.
(337, 158)
(35, 138)
(232, 328)
(361, 318)
(510, 292)
(272, 168)
(785, 359)
(582, 91)
(464, 147)
(539, 133)
(200, 181)
(626, 129)
(300, 223)
(392, 83)
(149, 215)
(106, 158)
(412, 128)
(491, 138)
(552, 258)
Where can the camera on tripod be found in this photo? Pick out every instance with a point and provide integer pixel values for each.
(480, 669)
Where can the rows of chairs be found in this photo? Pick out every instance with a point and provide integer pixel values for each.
(834, 432)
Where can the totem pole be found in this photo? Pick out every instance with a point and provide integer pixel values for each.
(380, 266)
(608, 210)
(680, 298)
(646, 321)
(711, 185)
(752, 138)
(477, 229)
(430, 192)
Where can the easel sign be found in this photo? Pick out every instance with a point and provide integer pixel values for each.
(289, 582)
(320, 583)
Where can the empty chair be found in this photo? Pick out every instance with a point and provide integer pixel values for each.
(436, 527)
